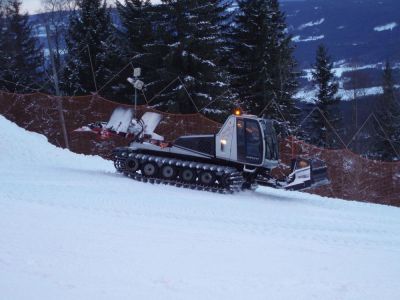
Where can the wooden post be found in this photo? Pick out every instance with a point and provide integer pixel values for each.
(57, 88)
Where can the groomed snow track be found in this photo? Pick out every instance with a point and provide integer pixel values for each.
(71, 227)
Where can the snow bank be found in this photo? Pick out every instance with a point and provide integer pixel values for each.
(298, 39)
(70, 228)
(312, 24)
(309, 93)
(386, 27)
(341, 67)
(19, 146)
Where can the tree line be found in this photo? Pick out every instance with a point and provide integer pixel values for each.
(195, 55)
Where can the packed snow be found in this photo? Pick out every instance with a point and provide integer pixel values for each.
(71, 228)
(386, 27)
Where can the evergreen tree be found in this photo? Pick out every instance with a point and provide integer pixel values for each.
(93, 57)
(262, 63)
(188, 44)
(137, 24)
(138, 32)
(323, 127)
(21, 56)
(387, 141)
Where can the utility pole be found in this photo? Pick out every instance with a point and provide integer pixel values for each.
(57, 88)
(137, 84)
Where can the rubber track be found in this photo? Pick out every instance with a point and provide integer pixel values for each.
(234, 177)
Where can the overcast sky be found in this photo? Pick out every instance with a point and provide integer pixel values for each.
(31, 6)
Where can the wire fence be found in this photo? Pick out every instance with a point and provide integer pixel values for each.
(352, 176)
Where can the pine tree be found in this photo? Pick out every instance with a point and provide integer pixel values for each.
(188, 44)
(262, 64)
(22, 58)
(324, 129)
(93, 51)
(137, 18)
(387, 141)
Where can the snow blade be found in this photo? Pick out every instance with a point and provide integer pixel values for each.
(319, 173)
(307, 173)
(120, 120)
(151, 121)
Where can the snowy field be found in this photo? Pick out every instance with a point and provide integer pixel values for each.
(71, 228)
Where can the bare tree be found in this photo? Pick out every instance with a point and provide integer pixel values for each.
(55, 18)
(56, 15)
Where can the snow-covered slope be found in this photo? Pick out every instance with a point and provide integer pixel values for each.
(70, 228)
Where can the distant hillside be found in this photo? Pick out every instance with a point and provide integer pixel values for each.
(363, 31)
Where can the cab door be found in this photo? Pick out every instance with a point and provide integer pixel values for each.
(250, 141)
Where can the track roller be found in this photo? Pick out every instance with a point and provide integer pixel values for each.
(149, 169)
(168, 172)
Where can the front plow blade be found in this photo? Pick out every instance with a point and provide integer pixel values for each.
(307, 174)
(319, 173)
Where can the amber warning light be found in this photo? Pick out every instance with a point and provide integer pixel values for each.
(238, 112)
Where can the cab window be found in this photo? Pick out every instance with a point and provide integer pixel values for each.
(271, 142)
